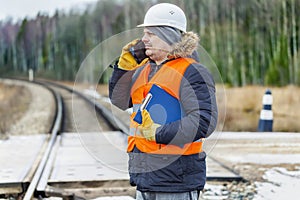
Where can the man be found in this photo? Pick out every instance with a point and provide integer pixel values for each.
(166, 160)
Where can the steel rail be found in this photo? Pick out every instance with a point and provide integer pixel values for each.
(55, 130)
(113, 121)
(40, 177)
(40, 188)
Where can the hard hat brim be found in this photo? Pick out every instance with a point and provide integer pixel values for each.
(159, 24)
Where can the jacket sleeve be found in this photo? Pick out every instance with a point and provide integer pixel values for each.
(198, 101)
(119, 88)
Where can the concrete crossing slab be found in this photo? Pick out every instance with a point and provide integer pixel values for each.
(17, 156)
(102, 156)
(90, 157)
(217, 171)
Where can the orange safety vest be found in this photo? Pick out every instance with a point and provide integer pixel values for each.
(169, 78)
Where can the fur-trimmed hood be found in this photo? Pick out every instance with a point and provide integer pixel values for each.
(186, 47)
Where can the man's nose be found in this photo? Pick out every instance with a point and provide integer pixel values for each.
(145, 38)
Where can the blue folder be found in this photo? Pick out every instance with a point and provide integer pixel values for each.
(162, 107)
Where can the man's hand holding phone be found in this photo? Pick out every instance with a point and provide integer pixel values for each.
(133, 55)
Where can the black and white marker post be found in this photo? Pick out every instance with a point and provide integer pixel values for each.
(266, 115)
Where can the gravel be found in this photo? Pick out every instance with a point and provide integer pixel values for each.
(228, 190)
(38, 117)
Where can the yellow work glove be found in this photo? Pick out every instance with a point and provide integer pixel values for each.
(148, 127)
(133, 55)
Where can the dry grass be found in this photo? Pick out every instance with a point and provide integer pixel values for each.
(14, 101)
(245, 103)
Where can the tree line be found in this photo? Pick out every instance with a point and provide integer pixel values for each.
(251, 42)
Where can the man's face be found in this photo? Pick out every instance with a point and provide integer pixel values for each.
(156, 48)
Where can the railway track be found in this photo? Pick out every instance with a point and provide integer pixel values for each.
(96, 118)
(72, 164)
(73, 99)
(55, 129)
(69, 121)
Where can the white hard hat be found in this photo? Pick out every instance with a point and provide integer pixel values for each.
(165, 14)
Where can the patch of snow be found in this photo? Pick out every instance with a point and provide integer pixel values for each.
(214, 192)
(106, 99)
(265, 158)
(92, 92)
(281, 184)
(256, 135)
(115, 198)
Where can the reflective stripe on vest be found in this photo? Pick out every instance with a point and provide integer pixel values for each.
(153, 148)
(168, 77)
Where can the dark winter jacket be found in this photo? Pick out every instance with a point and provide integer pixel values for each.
(173, 173)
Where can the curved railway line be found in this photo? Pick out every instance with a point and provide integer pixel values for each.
(68, 129)
(65, 122)
(55, 129)
(66, 99)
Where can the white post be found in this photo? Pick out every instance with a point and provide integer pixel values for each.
(30, 74)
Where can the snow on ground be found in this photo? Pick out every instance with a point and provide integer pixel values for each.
(115, 198)
(265, 158)
(257, 155)
(215, 192)
(282, 184)
(251, 135)
(92, 92)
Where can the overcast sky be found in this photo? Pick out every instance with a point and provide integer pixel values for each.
(21, 8)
